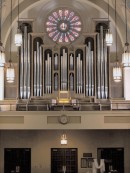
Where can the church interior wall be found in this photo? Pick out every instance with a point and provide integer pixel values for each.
(41, 142)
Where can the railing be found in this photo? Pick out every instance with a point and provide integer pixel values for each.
(7, 107)
(66, 107)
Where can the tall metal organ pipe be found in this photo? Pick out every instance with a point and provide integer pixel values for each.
(102, 75)
(79, 72)
(28, 68)
(40, 71)
(64, 71)
(25, 61)
(25, 66)
(98, 68)
(89, 71)
(35, 73)
(102, 61)
(48, 75)
(21, 71)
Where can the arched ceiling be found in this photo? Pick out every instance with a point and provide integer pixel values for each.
(88, 9)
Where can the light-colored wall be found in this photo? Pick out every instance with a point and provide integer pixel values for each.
(30, 120)
(41, 141)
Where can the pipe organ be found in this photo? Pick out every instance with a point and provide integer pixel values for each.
(81, 69)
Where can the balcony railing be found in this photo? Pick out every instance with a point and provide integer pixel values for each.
(111, 106)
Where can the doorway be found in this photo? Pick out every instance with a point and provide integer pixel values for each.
(64, 160)
(17, 160)
(114, 159)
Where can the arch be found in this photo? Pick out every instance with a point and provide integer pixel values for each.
(26, 5)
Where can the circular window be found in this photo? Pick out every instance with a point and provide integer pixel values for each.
(63, 25)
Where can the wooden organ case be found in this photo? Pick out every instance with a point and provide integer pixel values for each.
(80, 69)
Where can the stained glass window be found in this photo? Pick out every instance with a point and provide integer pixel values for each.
(63, 25)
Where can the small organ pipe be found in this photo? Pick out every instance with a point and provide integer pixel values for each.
(81, 75)
(71, 62)
(77, 74)
(50, 74)
(61, 72)
(56, 82)
(56, 62)
(46, 76)
(71, 82)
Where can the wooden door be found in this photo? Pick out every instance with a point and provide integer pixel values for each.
(64, 160)
(17, 160)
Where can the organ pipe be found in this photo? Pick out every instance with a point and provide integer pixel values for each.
(71, 82)
(71, 62)
(21, 72)
(50, 67)
(77, 75)
(35, 73)
(102, 61)
(87, 76)
(106, 69)
(40, 72)
(64, 76)
(64, 72)
(56, 62)
(56, 82)
(79, 69)
(37, 70)
(48, 75)
(89, 84)
(25, 66)
(89, 71)
(98, 67)
(25, 62)
(102, 75)
(28, 68)
(92, 74)
(81, 76)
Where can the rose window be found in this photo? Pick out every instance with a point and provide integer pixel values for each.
(63, 25)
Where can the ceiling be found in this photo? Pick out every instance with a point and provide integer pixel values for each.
(38, 10)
